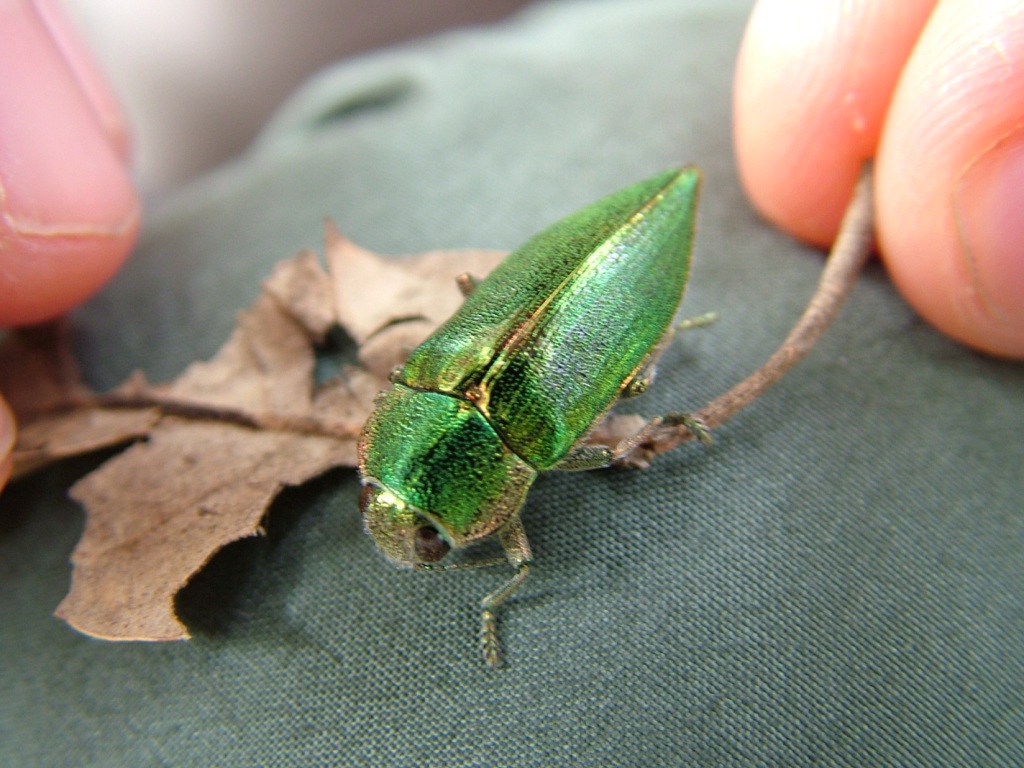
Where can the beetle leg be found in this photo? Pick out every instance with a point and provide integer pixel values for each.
(517, 550)
(658, 435)
(644, 375)
(466, 282)
(586, 457)
(697, 321)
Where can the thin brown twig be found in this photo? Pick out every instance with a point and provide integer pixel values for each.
(849, 254)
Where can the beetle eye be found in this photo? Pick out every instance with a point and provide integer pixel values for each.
(430, 547)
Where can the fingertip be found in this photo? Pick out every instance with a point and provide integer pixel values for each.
(813, 82)
(950, 177)
(967, 277)
(778, 88)
(69, 212)
(988, 207)
(45, 275)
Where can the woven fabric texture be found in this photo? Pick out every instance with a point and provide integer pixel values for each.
(837, 581)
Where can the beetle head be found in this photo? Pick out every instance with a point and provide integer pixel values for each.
(405, 534)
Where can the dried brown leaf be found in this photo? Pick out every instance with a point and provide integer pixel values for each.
(397, 303)
(225, 436)
(148, 532)
(52, 437)
(40, 380)
(266, 366)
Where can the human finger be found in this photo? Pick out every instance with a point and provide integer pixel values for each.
(950, 175)
(69, 213)
(813, 84)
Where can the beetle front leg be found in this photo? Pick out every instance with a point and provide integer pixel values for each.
(644, 375)
(517, 550)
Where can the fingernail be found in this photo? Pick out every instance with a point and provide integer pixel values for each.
(59, 173)
(988, 202)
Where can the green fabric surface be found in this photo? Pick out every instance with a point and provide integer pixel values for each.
(838, 580)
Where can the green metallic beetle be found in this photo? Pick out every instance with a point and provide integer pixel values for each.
(515, 380)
